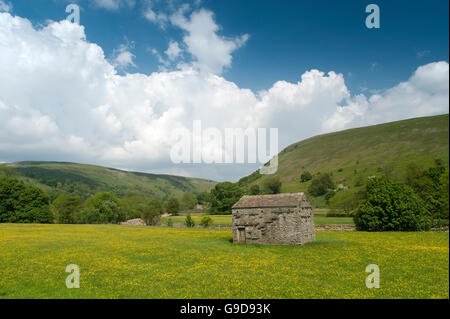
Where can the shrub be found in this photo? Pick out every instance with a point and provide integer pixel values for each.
(188, 201)
(204, 198)
(23, 204)
(306, 176)
(224, 196)
(189, 222)
(391, 206)
(320, 185)
(272, 185)
(151, 214)
(133, 206)
(169, 222)
(445, 194)
(102, 208)
(206, 221)
(427, 184)
(65, 208)
(173, 206)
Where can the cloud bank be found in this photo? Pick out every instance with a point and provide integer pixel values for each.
(61, 99)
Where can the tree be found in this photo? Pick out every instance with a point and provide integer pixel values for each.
(206, 221)
(65, 208)
(272, 185)
(188, 201)
(133, 206)
(391, 206)
(151, 214)
(189, 222)
(427, 185)
(23, 204)
(204, 198)
(306, 176)
(255, 190)
(224, 196)
(173, 206)
(444, 194)
(10, 190)
(320, 185)
(102, 208)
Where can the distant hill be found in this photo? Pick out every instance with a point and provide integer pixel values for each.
(86, 180)
(353, 155)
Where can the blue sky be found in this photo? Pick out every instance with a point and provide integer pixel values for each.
(113, 90)
(286, 37)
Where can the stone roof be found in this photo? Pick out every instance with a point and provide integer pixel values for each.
(277, 200)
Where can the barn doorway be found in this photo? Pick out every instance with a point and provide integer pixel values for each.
(241, 235)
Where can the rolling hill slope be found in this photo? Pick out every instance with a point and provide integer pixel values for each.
(86, 180)
(353, 155)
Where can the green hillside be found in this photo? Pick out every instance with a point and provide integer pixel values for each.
(353, 155)
(86, 180)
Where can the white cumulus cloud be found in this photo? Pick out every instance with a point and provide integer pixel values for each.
(212, 52)
(60, 99)
(123, 57)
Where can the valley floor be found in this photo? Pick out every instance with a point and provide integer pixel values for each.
(162, 262)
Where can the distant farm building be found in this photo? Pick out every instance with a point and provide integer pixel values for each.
(273, 219)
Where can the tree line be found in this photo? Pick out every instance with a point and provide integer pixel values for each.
(419, 202)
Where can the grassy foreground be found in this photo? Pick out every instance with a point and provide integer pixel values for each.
(147, 262)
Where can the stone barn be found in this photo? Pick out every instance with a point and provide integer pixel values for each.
(273, 219)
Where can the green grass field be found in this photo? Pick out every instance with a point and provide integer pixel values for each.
(225, 220)
(219, 220)
(161, 262)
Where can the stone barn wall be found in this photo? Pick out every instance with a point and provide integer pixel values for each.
(273, 225)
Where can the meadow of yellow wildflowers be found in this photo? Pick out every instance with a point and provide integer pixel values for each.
(152, 262)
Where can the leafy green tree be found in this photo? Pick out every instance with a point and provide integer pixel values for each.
(204, 198)
(102, 208)
(224, 196)
(206, 221)
(305, 177)
(271, 185)
(188, 201)
(444, 194)
(133, 206)
(173, 206)
(321, 184)
(255, 190)
(23, 204)
(391, 206)
(427, 185)
(10, 190)
(65, 208)
(151, 214)
(189, 222)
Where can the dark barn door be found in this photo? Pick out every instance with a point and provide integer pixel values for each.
(241, 235)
